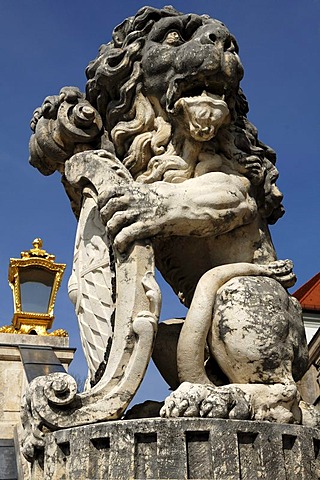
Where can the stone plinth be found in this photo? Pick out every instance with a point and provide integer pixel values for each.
(183, 448)
(12, 377)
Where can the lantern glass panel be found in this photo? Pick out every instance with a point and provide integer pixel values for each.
(35, 289)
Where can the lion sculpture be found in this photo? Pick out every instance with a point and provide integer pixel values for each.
(163, 102)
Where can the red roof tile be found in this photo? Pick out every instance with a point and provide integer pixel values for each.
(309, 294)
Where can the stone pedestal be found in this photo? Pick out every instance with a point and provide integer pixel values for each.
(13, 384)
(183, 448)
(12, 377)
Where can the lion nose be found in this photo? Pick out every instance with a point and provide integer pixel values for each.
(216, 36)
(209, 37)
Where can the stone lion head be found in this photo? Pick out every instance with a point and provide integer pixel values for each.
(165, 54)
(167, 101)
(166, 78)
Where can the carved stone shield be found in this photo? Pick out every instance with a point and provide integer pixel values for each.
(117, 301)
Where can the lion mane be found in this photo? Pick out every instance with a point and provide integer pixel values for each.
(144, 140)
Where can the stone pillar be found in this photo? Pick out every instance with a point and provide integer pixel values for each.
(182, 448)
(13, 384)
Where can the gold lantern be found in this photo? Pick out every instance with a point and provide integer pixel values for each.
(35, 279)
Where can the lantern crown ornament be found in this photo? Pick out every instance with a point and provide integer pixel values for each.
(35, 279)
(37, 251)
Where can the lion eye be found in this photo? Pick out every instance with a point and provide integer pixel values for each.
(173, 38)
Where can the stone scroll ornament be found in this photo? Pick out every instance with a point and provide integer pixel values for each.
(162, 167)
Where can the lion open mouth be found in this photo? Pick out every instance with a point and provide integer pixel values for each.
(203, 114)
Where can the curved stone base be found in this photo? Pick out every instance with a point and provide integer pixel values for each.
(182, 448)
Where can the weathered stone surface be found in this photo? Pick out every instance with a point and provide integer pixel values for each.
(11, 368)
(181, 449)
(13, 384)
(50, 341)
(163, 168)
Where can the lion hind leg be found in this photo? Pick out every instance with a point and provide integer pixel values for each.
(254, 333)
(193, 336)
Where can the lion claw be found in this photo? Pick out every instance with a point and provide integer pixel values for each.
(206, 401)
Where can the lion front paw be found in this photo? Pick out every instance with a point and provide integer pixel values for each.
(196, 400)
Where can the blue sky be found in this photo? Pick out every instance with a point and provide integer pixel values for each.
(46, 45)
